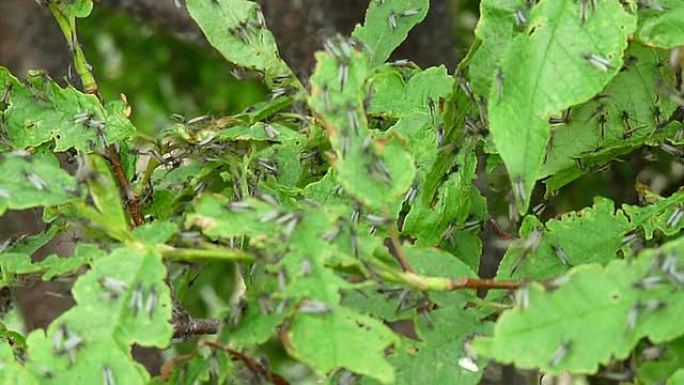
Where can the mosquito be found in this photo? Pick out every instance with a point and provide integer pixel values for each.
(392, 20)
(314, 307)
(560, 354)
(151, 303)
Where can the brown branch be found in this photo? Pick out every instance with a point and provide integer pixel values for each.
(501, 233)
(422, 282)
(254, 366)
(186, 328)
(484, 284)
(131, 201)
(169, 366)
(89, 86)
(398, 251)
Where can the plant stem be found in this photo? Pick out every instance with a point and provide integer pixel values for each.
(422, 282)
(253, 365)
(131, 200)
(191, 327)
(223, 254)
(68, 26)
(398, 250)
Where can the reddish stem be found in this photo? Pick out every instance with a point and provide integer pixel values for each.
(251, 363)
(131, 201)
(484, 284)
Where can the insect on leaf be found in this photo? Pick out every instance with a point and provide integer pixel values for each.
(41, 111)
(660, 23)
(237, 29)
(542, 73)
(387, 24)
(126, 301)
(341, 338)
(594, 314)
(34, 180)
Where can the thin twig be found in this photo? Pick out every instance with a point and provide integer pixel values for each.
(422, 282)
(131, 200)
(254, 366)
(501, 233)
(398, 253)
(169, 366)
(219, 253)
(68, 26)
(191, 327)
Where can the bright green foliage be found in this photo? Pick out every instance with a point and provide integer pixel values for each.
(33, 243)
(12, 372)
(496, 29)
(16, 263)
(657, 363)
(341, 338)
(41, 111)
(541, 75)
(334, 234)
(124, 303)
(238, 30)
(591, 314)
(107, 208)
(593, 235)
(387, 24)
(677, 378)
(75, 8)
(660, 23)
(319, 323)
(416, 104)
(28, 181)
(613, 122)
(435, 358)
(660, 215)
(374, 172)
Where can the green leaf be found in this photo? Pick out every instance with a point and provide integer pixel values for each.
(75, 8)
(126, 301)
(541, 75)
(341, 338)
(395, 97)
(237, 29)
(660, 23)
(439, 211)
(657, 363)
(387, 24)
(496, 29)
(16, 263)
(592, 235)
(155, 232)
(614, 122)
(438, 263)
(12, 372)
(434, 359)
(54, 266)
(374, 172)
(219, 218)
(677, 378)
(396, 303)
(33, 243)
(592, 315)
(261, 132)
(29, 181)
(108, 211)
(663, 214)
(41, 111)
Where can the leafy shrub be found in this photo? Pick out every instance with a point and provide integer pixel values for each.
(346, 206)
